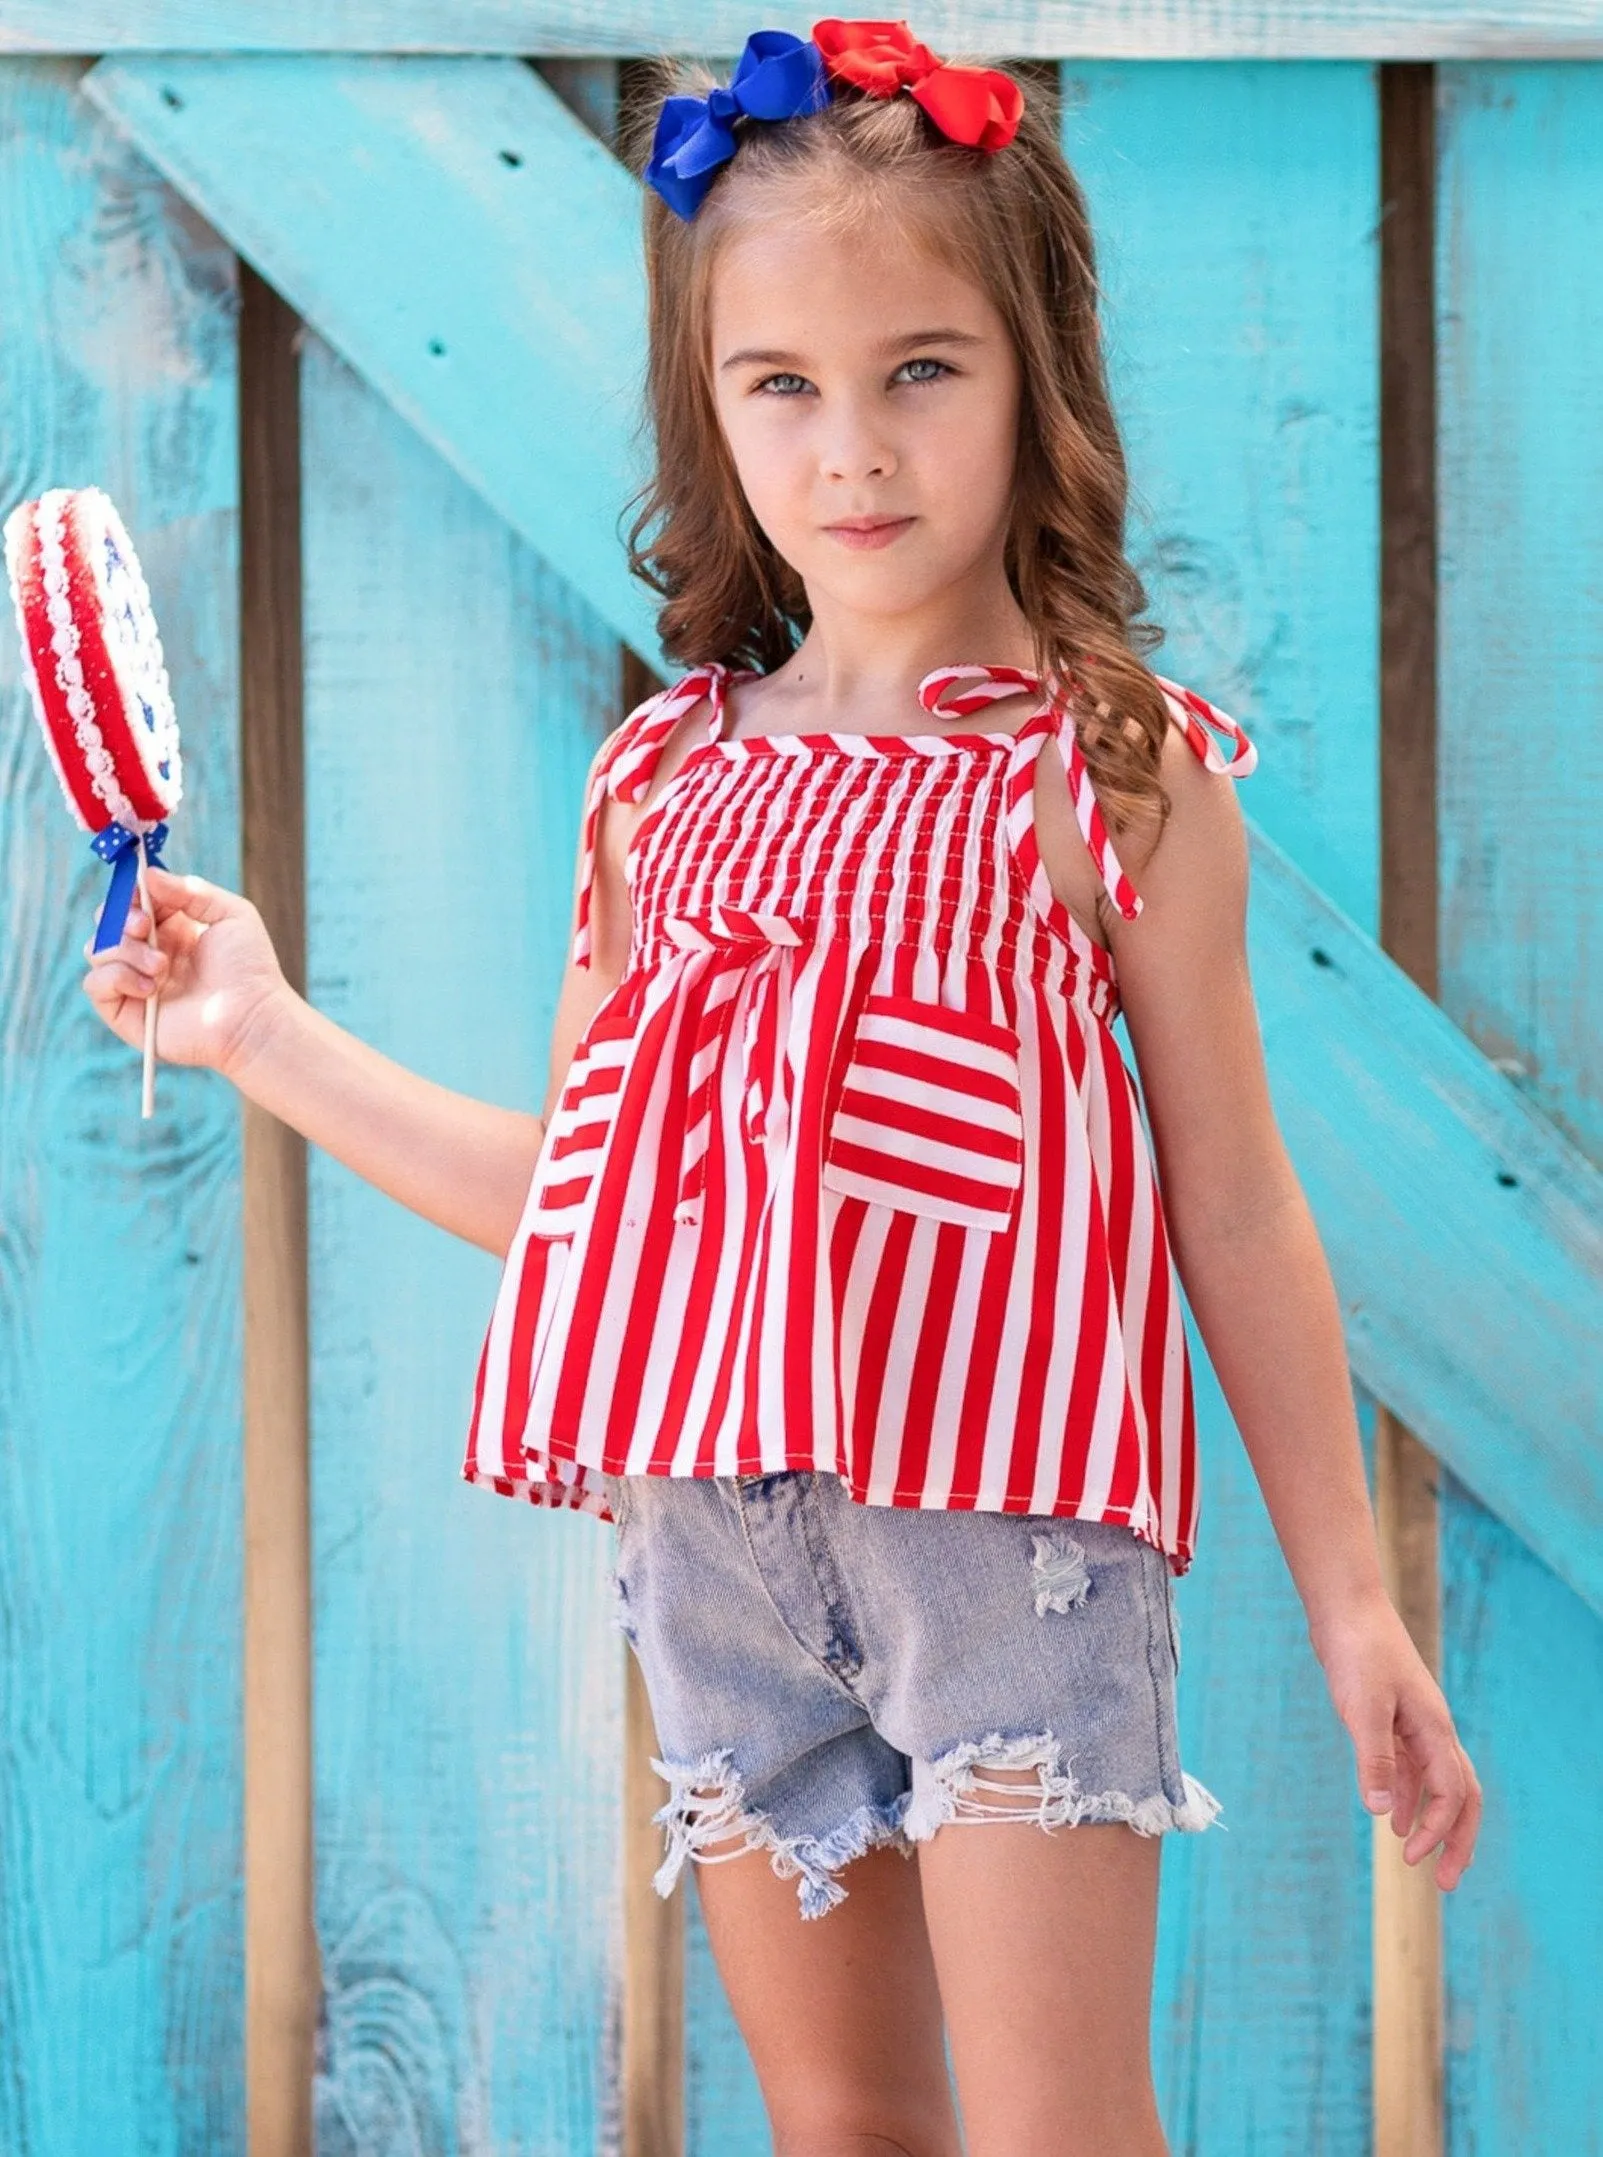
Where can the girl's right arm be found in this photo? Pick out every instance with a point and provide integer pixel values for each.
(461, 1163)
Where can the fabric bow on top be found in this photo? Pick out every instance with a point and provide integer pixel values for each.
(776, 77)
(978, 106)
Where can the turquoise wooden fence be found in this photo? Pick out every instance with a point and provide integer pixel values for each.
(467, 1689)
(466, 382)
(120, 1414)
(1520, 287)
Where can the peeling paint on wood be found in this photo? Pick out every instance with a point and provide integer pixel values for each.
(1088, 29)
(374, 194)
(1521, 298)
(467, 1716)
(121, 1926)
(1235, 209)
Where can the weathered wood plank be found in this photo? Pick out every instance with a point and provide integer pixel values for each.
(282, 1982)
(121, 1926)
(1085, 29)
(1235, 209)
(1521, 799)
(1418, 1156)
(468, 1690)
(409, 210)
(1408, 2107)
(1465, 1232)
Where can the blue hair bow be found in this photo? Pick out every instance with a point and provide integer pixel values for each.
(776, 77)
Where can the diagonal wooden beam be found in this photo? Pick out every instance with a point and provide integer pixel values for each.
(458, 236)
(1083, 29)
(1465, 1232)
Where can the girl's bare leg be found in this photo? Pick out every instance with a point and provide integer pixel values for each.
(1043, 1943)
(841, 2013)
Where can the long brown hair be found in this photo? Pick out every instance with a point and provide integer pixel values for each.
(1014, 222)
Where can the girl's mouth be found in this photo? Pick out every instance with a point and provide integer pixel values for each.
(880, 533)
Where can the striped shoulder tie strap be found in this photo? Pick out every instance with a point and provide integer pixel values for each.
(987, 683)
(625, 770)
(1193, 714)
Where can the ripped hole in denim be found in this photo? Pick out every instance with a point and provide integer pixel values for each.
(1025, 1778)
(1062, 1580)
(707, 1808)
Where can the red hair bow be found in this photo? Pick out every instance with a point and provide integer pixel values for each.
(978, 106)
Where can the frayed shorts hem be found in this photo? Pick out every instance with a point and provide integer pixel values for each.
(708, 1806)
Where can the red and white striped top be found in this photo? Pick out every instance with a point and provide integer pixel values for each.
(848, 1172)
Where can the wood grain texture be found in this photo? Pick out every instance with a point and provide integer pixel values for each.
(468, 1688)
(509, 335)
(121, 1924)
(1407, 1905)
(1235, 210)
(1408, 539)
(1091, 29)
(1521, 793)
(1495, 1367)
(282, 1981)
(650, 2002)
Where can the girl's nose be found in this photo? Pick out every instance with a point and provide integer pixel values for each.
(856, 449)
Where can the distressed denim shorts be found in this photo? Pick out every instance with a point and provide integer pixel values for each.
(826, 1676)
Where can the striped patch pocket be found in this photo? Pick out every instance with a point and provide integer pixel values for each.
(576, 1138)
(929, 1118)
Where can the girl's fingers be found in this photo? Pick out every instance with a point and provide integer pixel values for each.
(1460, 1852)
(1377, 1763)
(142, 957)
(1408, 1792)
(1446, 1794)
(1458, 1845)
(108, 983)
(1410, 1762)
(177, 932)
(191, 895)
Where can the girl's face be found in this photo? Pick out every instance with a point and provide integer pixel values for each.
(856, 380)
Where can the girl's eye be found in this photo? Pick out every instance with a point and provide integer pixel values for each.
(767, 384)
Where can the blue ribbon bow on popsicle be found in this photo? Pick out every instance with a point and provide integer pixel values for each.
(120, 847)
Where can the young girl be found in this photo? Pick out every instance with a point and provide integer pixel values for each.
(835, 1272)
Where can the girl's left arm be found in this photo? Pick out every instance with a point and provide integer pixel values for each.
(1259, 1285)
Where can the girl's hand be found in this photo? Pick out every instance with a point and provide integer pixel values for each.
(216, 971)
(1403, 1735)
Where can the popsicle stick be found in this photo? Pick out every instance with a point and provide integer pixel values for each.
(147, 1095)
